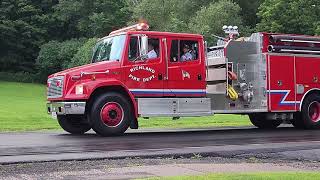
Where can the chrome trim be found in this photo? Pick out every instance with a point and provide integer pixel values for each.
(295, 81)
(54, 91)
(297, 55)
(299, 51)
(64, 108)
(93, 73)
(238, 111)
(177, 115)
(166, 77)
(300, 41)
(174, 107)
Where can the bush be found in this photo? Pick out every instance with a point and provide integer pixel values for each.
(24, 77)
(84, 54)
(68, 49)
(56, 56)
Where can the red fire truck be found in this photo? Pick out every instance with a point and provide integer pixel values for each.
(273, 78)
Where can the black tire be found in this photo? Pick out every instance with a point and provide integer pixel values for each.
(97, 122)
(259, 120)
(74, 124)
(304, 120)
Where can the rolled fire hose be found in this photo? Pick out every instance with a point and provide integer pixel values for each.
(233, 95)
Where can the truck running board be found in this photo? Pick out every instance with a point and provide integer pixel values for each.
(174, 107)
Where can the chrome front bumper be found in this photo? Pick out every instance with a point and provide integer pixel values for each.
(64, 108)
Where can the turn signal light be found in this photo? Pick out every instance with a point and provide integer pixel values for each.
(79, 89)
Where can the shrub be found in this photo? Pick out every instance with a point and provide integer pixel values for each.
(56, 56)
(24, 77)
(84, 54)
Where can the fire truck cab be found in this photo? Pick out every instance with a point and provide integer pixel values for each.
(138, 73)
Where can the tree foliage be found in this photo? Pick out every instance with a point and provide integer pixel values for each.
(55, 56)
(290, 16)
(23, 30)
(209, 20)
(84, 54)
(25, 25)
(164, 15)
(45, 36)
(249, 9)
(83, 18)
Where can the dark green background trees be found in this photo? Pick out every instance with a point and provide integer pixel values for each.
(290, 16)
(39, 37)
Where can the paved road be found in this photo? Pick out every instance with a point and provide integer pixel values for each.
(283, 143)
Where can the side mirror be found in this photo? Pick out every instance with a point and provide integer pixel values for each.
(144, 46)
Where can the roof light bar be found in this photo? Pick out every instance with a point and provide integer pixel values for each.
(136, 27)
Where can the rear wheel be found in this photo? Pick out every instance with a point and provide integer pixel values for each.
(259, 120)
(74, 124)
(111, 114)
(309, 118)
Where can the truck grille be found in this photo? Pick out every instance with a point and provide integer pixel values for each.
(55, 87)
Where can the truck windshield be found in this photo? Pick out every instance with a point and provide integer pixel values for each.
(109, 49)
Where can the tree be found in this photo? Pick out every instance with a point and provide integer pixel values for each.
(84, 54)
(83, 18)
(23, 30)
(25, 25)
(249, 9)
(210, 20)
(290, 16)
(55, 56)
(167, 15)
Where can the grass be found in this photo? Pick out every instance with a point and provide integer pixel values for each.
(198, 122)
(250, 176)
(23, 108)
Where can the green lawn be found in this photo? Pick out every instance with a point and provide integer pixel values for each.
(250, 176)
(23, 108)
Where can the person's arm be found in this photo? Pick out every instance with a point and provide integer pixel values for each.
(152, 54)
(183, 57)
(190, 57)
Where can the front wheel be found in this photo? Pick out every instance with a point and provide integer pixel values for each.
(74, 124)
(259, 120)
(111, 114)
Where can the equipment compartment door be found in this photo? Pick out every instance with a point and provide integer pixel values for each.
(281, 84)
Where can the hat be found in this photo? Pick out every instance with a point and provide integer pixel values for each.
(186, 46)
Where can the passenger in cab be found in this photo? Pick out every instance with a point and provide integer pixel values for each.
(187, 55)
(152, 54)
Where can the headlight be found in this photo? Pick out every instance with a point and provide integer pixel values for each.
(79, 89)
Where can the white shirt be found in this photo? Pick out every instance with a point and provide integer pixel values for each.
(152, 54)
(187, 56)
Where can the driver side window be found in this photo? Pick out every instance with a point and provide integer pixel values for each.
(133, 48)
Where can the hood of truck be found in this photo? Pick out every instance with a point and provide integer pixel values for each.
(89, 68)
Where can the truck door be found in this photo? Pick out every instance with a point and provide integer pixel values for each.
(282, 95)
(186, 70)
(144, 75)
